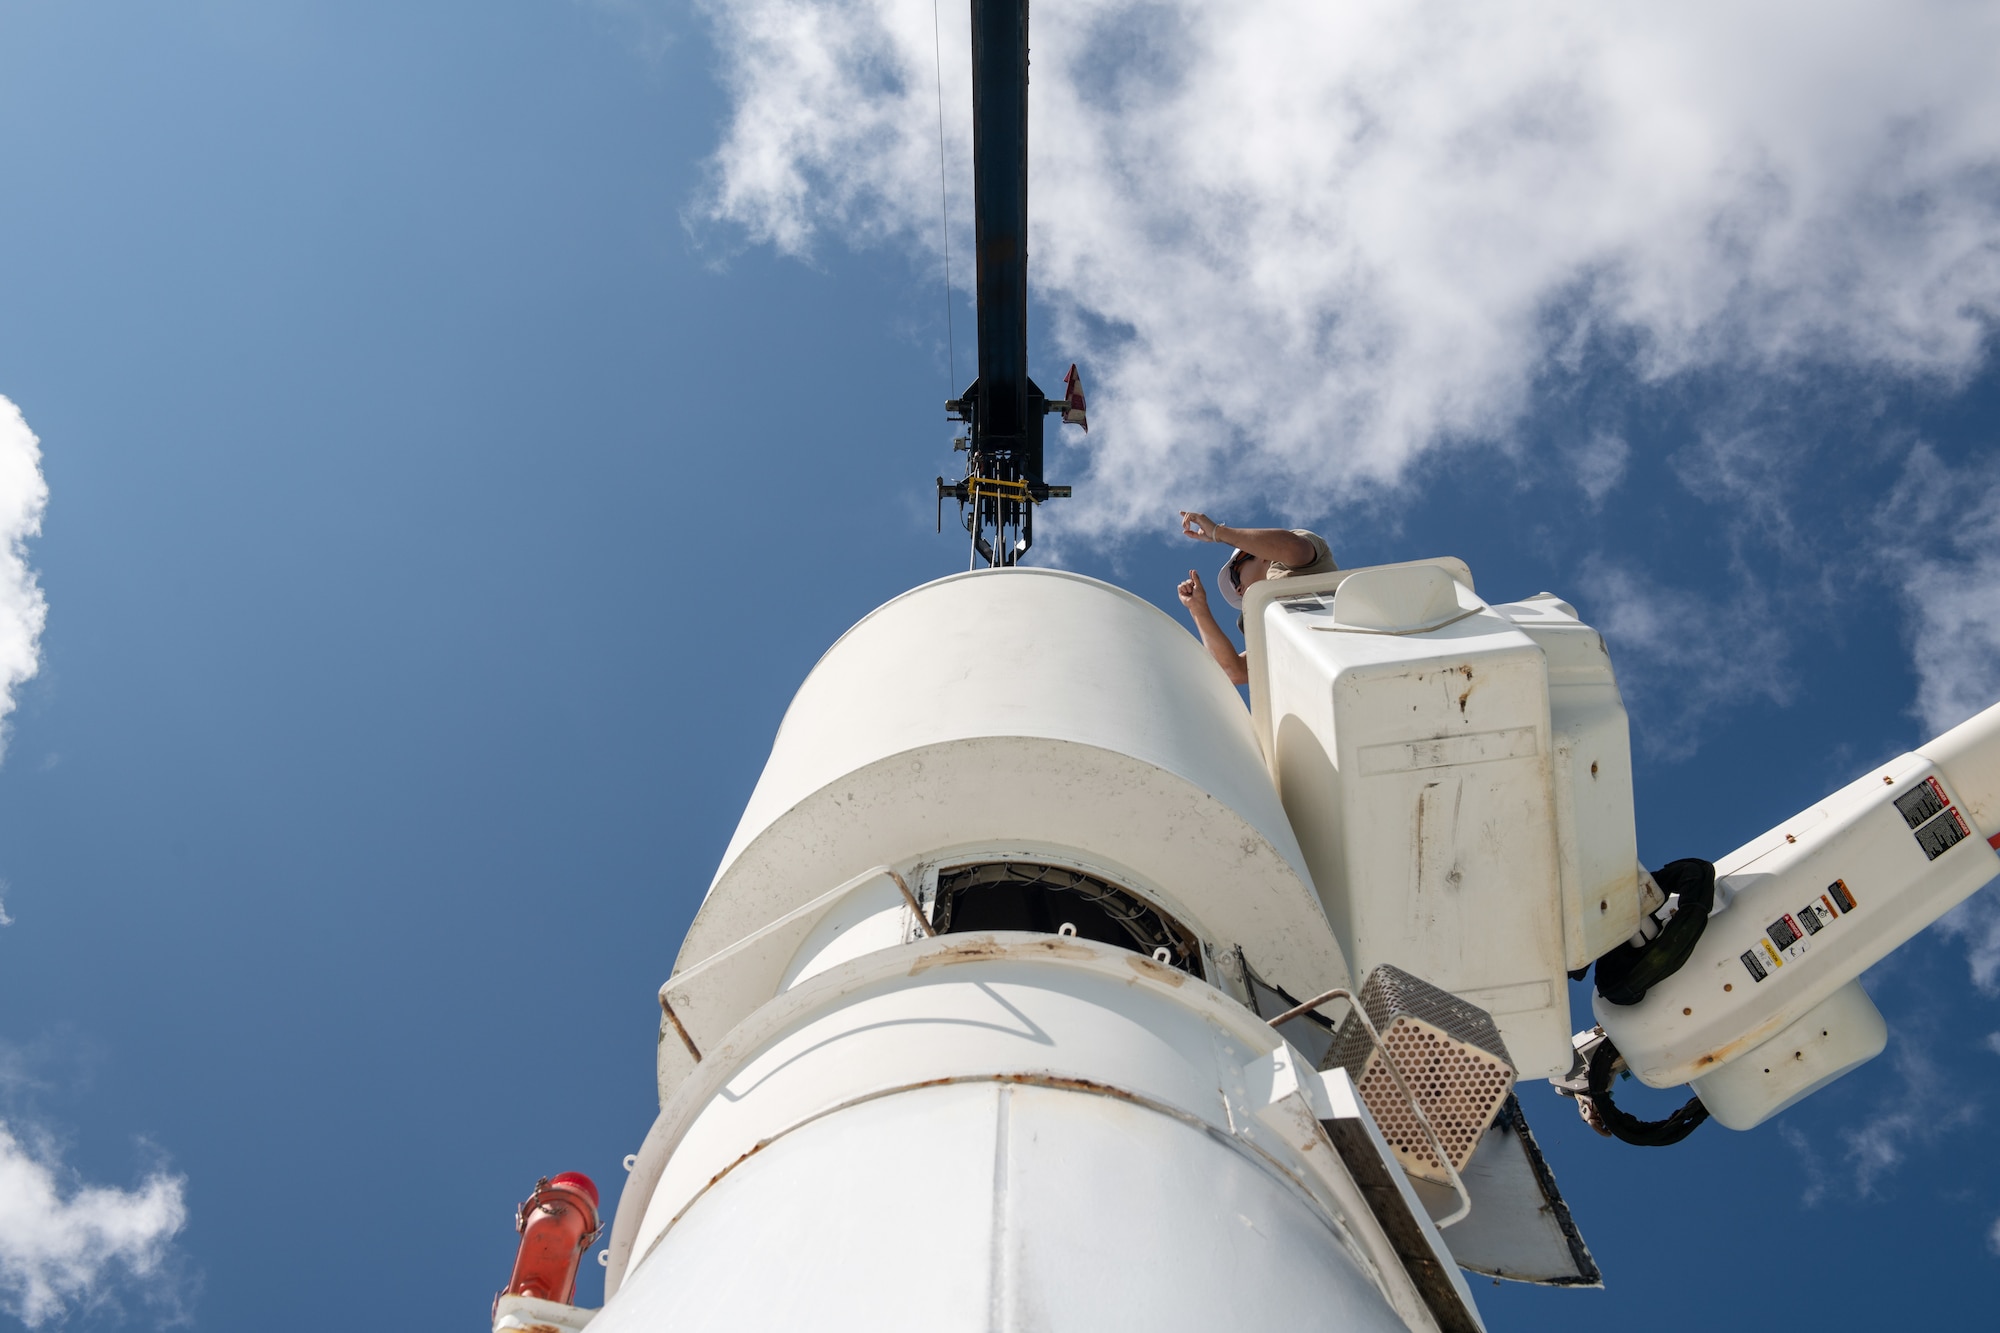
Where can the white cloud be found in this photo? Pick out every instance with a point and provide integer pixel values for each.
(1929, 1104)
(1875, 1147)
(1298, 245)
(1600, 465)
(1976, 921)
(64, 1249)
(1940, 530)
(1811, 1163)
(1993, 1237)
(23, 609)
(1680, 656)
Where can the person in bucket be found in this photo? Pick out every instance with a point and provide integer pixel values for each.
(1255, 554)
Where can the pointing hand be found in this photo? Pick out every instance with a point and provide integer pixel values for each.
(1198, 526)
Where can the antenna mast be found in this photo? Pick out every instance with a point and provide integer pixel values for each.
(1003, 409)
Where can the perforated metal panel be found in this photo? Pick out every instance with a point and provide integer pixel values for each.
(1449, 1054)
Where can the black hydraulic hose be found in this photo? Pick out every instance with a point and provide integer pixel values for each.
(1625, 974)
(1623, 1125)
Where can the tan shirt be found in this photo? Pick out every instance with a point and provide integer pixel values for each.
(1321, 563)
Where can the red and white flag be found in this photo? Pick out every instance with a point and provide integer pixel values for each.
(1072, 412)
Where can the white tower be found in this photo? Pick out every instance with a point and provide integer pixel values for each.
(1074, 1119)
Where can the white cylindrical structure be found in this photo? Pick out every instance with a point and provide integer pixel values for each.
(1026, 715)
(863, 1128)
(958, 1212)
(1031, 709)
(1000, 1131)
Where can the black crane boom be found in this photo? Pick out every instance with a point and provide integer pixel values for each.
(1000, 211)
(1003, 408)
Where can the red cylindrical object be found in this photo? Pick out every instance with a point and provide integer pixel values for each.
(556, 1224)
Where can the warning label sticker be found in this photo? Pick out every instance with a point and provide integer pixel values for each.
(1921, 802)
(1942, 834)
(1760, 960)
(1790, 937)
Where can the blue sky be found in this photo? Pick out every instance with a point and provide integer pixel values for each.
(464, 425)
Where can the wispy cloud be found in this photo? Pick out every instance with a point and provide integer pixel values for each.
(1299, 245)
(1812, 1163)
(1976, 921)
(1940, 536)
(1600, 465)
(1672, 679)
(65, 1247)
(1929, 1103)
(23, 609)
(646, 24)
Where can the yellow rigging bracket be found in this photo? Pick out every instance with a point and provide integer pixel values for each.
(1000, 522)
(975, 487)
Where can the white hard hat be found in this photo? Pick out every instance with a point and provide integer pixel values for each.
(1226, 585)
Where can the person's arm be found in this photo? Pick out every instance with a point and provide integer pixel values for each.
(1195, 598)
(1277, 544)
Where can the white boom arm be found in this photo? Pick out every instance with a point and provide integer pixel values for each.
(1768, 1008)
